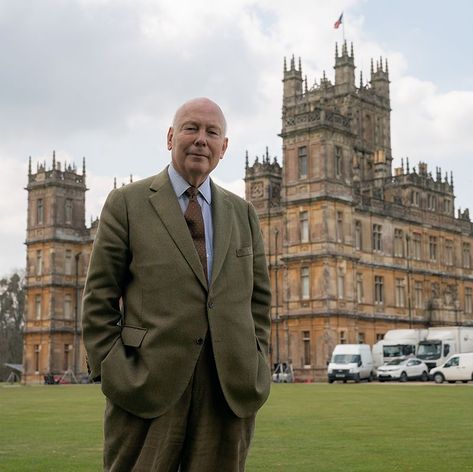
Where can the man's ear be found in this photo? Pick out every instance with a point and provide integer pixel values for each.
(169, 138)
(224, 147)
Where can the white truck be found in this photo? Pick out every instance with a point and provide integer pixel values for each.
(444, 341)
(397, 344)
(351, 362)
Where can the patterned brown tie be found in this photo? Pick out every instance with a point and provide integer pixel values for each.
(195, 222)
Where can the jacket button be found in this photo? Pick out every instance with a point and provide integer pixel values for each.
(210, 304)
(200, 341)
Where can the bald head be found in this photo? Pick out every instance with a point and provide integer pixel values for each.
(200, 102)
(197, 139)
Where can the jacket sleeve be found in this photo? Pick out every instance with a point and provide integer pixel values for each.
(261, 298)
(106, 279)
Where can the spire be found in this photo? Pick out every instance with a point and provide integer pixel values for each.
(407, 165)
(83, 166)
(300, 64)
(54, 160)
(131, 178)
(267, 155)
(336, 50)
(372, 67)
(451, 178)
(246, 160)
(293, 67)
(29, 166)
(285, 65)
(361, 79)
(351, 50)
(305, 84)
(387, 69)
(114, 183)
(402, 164)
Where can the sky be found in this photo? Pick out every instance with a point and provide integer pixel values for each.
(101, 79)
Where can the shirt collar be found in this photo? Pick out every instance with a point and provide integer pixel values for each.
(180, 185)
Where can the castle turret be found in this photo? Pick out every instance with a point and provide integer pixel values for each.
(292, 79)
(344, 70)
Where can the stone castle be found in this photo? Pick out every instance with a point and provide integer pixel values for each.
(353, 248)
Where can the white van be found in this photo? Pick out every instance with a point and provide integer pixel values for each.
(351, 362)
(458, 367)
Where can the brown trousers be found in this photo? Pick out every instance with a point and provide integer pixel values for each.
(198, 434)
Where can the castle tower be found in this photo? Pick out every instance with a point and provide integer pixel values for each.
(344, 70)
(58, 247)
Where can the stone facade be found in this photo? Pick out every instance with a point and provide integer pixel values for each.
(354, 250)
(58, 246)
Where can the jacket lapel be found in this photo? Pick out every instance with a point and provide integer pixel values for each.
(222, 219)
(164, 201)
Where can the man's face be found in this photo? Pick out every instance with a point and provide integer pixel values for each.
(197, 140)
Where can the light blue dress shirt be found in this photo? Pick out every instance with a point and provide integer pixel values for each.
(180, 185)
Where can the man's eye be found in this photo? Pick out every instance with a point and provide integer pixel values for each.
(213, 132)
(190, 128)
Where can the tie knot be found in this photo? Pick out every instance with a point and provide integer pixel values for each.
(192, 192)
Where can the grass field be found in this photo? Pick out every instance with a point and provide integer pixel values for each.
(302, 428)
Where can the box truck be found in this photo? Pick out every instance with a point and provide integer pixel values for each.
(397, 344)
(442, 342)
(351, 362)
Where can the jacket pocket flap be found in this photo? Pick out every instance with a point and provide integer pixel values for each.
(132, 335)
(244, 251)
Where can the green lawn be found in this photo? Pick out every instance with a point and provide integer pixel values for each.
(303, 427)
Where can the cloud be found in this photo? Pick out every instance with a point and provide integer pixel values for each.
(102, 79)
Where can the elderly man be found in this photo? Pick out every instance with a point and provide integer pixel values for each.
(176, 311)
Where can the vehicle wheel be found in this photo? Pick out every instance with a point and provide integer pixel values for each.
(344, 381)
(425, 376)
(403, 377)
(357, 378)
(381, 380)
(438, 378)
(451, 381)
(370, 377)
(330, 381)
(464, 381)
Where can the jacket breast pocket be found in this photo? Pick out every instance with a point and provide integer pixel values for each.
(132, 336)
(244, 251)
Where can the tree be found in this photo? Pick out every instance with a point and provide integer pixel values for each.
(12, 310)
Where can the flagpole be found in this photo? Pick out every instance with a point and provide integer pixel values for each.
(343, 28)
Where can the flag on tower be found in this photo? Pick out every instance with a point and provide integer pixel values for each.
(338, 22)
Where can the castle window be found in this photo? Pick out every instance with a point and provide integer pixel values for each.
(466, 255)
(339, 228)
(447, 205)
(398, 243)
(359, 288)
(400, 293)
(68, 211)
(417, 246)
(305, 286)
(358, 236)
(432, 202)
(377, 241)
(302, 159)
(39, 211)
(379, 336)
(306, 347)
(67, 306)
(37, 306)
(448, 252)
(37, 350)
(361, 338)
(418, 294)
(341, 284)
(67, 351)
(468, 300)
(39, 262)
(343, 337)
(68, 262)
(415, 199)
(338, 161)
(304, 226)
(378, 289)
(433, 248)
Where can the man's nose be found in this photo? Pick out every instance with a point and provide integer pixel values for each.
(201, 138)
